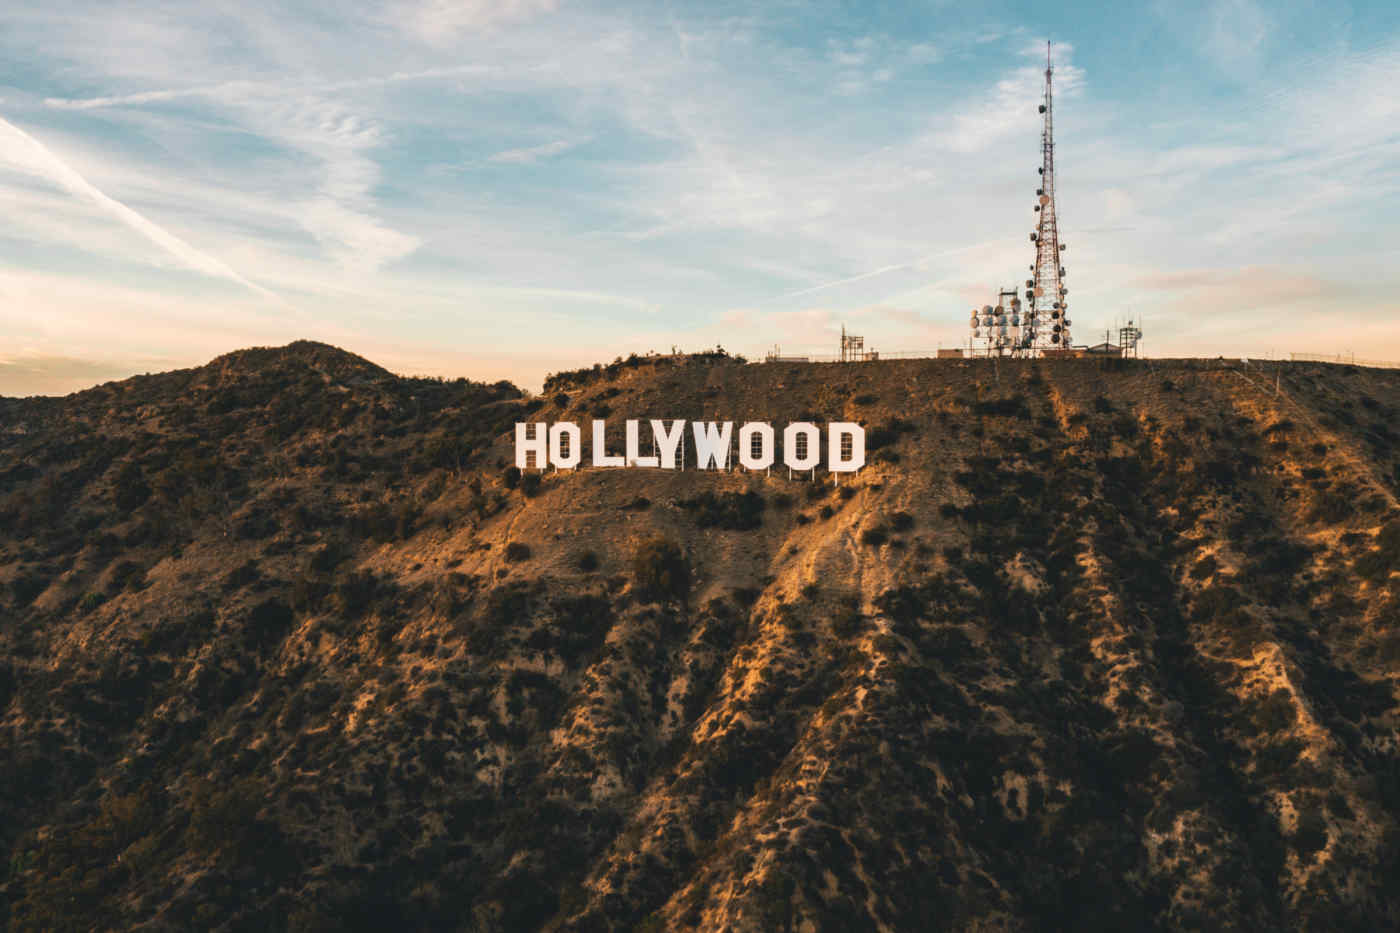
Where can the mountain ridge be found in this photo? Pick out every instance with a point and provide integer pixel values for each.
(287, 644)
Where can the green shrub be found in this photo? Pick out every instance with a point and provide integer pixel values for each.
(660, 570)
(734, 511)
(27, 586)
(1011, 407)
(127, 574)
(1274, 713)
(1332, 507)
(227, 817)
(129, 488)
(1204, 567)
(874, 536)
(267, 623)
(847, 621)
(243, 575)
(1376, 565)
(1310, 836)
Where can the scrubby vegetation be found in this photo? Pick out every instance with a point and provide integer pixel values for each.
(734, 511)
(286, 643)
(660, 569)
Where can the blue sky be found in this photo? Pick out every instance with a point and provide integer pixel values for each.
(503, 189)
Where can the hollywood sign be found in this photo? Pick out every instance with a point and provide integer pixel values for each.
(560, 445)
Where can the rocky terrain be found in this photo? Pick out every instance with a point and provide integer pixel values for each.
(287, 644)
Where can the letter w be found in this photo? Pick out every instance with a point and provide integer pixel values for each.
(711, 444)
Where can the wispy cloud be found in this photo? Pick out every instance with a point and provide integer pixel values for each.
(533, 154)
(998, 114)
(913, 265)
(440, 21)
(674, 164)
(25, 152)
(240, 91)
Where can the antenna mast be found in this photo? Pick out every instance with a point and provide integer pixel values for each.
(1046, 320)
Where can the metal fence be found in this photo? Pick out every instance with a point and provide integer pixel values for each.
(1350, 359)
(873, 357)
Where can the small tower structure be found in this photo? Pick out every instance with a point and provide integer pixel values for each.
(1046, 325)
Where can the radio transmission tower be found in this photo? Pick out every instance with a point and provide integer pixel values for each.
(1046, 321)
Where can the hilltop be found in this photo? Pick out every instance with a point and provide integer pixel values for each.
(286, 643)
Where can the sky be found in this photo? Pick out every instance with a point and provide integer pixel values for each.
(501, 189)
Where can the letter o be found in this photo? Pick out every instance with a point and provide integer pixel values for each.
(811, 438)
(747, 434)
(557, 433)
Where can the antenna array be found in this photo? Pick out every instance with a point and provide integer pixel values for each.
(1043, 323)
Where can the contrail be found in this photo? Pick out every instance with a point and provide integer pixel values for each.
(854, 278)
(28, 152)
(231, 88)
(883, 270)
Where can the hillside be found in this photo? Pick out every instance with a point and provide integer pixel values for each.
(286, 644)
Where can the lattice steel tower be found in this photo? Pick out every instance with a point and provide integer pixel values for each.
(1046, 321)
